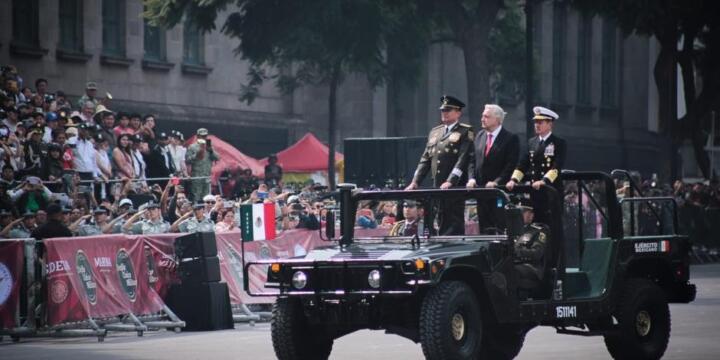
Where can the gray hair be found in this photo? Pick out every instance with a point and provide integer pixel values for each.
(496, 111)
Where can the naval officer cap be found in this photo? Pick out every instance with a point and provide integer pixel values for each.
(542, 113)
(450, 102)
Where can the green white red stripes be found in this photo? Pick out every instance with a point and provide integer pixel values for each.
(257, 221)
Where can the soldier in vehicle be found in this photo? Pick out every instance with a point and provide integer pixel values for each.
(530, 250)
(543, 162)
(413, 222)
(194, 221)
(446, 157)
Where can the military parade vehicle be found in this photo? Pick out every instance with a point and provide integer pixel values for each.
(611, 261)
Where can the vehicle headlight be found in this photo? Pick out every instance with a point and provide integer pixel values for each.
(299, 280)
(374, 279)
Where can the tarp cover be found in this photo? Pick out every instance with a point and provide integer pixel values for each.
(306, 155)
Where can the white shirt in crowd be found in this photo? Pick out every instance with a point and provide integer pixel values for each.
(85, 157)
(177, 152)
(138, 164)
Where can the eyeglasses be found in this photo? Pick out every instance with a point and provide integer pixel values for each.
(209, 202)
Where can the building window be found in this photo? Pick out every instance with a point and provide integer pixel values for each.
(193, 45)
(584, 60)
(71, 25)
(25, 22)
(609, 64)
(154, 44)
(558, 55)
(113, 32)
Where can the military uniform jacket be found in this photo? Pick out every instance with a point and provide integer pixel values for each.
(200, 165)
(89, 230)
(542, 161)
(447, 155)
(402, 228)
(192, 225)
(530, 247)
(149, 227)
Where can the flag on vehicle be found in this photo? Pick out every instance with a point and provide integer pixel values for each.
(257, 221)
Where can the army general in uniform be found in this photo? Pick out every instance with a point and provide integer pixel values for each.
(446, 157)
(543, 162)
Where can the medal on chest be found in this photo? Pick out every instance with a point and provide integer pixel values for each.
(550, 150)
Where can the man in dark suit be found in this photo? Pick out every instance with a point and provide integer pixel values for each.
(496, 152)
(543, 162)
(446, 157)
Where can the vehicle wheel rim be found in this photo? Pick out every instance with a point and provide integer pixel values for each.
(643, 323)
(458, 327)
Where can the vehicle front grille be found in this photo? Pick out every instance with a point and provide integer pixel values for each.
(370, 254)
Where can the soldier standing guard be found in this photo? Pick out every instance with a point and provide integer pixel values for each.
(200, 156)
(446, 158)
(543, 162)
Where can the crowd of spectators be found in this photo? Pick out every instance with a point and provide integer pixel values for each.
(81, 166)
(92, 170)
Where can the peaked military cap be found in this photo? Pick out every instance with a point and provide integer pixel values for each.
(450, 102)
(542, 113)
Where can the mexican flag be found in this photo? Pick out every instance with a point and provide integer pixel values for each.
(257, 221)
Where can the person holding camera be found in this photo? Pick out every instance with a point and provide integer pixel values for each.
(200, 157)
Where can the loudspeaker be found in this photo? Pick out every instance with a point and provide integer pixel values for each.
(200, 270)
(203, 307)
(199, 244)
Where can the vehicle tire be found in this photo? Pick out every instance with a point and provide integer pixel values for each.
(643, 318)
(292, 337)
(502, 342)
(450, 322)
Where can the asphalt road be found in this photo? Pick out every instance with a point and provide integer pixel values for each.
(694, 336)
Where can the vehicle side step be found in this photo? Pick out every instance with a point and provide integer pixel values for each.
(566, 331)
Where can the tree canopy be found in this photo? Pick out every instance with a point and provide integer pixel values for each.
(689, 35)
(321, 41)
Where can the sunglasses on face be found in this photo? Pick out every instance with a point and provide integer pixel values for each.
(209, 202)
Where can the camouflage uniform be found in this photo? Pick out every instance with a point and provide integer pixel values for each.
(149, 227)
(89, 230)
(19, 232)
(200, 167)
(192, 225)
(530, 254)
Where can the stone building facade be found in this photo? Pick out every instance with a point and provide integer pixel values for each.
(599, 81)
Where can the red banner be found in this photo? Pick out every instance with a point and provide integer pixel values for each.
(288, 244)
(11, 269)
(99, 277)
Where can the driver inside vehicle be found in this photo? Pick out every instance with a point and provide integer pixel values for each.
(530, 250)
(412, 224)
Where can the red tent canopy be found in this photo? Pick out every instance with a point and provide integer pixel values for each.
(306, 155)
(231, 159)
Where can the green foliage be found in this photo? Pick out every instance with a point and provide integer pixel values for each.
(319, 40)
(506, 51)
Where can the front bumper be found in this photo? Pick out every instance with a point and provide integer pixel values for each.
(342, 277)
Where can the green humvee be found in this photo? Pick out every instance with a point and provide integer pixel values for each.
(610, 267)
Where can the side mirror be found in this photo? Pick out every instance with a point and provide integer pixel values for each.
(330, 224)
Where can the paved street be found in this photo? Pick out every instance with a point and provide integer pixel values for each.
(694, 336)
